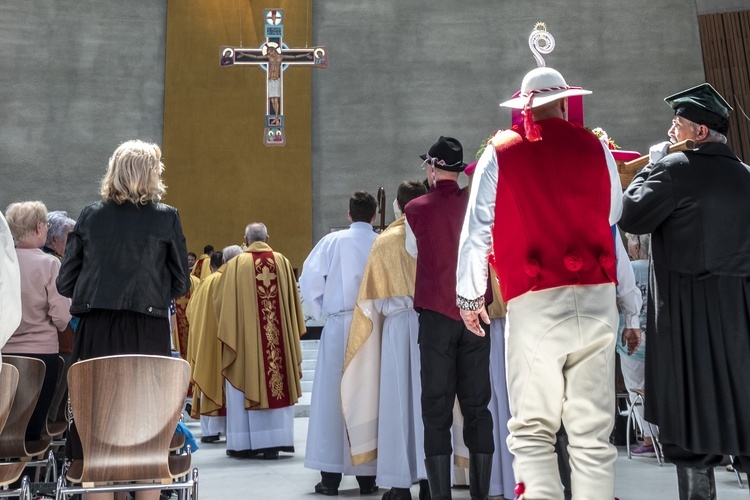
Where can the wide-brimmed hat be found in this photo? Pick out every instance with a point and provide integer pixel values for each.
(446, 154)
(702, 105)
(540, 86)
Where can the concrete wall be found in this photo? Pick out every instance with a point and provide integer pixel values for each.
(716, 6)
(77, 78)
(402, 73)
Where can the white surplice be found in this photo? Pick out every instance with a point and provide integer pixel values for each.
(329, 284)
(256, 429)
(502, 480)
(400, 428)
(213, 426)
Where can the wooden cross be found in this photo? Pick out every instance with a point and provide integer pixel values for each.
(273, 56)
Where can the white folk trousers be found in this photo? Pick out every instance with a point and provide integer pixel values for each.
(560, 347)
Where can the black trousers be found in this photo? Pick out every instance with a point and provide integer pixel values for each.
(455, 362)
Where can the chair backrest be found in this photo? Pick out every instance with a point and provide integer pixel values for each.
(30, 379)
(126, 409)
(8, 385)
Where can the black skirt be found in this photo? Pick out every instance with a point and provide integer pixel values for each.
(104, 332)
(698, 360)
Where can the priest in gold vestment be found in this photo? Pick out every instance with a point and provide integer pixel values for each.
(202, 267)
(260, 324)
(204, 352)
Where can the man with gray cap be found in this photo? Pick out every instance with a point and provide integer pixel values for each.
(696, 205)
(543, 204)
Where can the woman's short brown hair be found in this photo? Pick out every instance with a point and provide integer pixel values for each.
(134, 174)
(23, 217)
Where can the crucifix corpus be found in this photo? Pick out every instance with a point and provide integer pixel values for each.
(273, 56)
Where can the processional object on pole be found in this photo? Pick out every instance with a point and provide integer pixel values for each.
(381, 208)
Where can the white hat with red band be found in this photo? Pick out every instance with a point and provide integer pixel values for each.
(541, 86)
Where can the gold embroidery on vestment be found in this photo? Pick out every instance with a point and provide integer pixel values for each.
(265, 273)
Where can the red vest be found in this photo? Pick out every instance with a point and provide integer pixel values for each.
(552, 210)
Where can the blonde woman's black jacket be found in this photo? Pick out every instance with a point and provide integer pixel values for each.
(125, 257)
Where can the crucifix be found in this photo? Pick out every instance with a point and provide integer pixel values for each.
(273, 56)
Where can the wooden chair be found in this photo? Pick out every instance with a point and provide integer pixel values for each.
(13, 444)
(126, 409)
(10, 471)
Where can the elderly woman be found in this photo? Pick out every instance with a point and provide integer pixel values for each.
(57, 235)
(125, 260)
(59, 225)
(43, 310)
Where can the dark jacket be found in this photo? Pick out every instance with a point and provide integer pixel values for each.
(125, 257)
(694, 203)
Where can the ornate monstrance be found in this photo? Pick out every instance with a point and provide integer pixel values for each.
(273, 57)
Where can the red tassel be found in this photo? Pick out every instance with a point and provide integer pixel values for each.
(533, 131)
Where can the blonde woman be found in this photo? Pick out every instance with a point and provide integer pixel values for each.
(43, 310)
(125, 260)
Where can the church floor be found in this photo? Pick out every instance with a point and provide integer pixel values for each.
(222, 477)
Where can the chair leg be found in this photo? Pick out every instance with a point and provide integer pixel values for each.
(636, 400)
(195, 485)
(657, 444)
(25, 488)
(737, 473)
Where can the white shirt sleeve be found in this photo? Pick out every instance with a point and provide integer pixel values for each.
(628, 294)
(10, 284)
(312, 282)
(411, 240)
(615, 207)
(476, 233)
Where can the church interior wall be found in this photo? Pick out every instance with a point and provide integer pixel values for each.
(717, 6)
(80, 76)
(403, 73)
(77, 78)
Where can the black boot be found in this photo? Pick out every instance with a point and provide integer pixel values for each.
(439, 475)
(424, 489)
(367, 485)
(696, 483)
(397, 494)
(563, 462)
(480, 468)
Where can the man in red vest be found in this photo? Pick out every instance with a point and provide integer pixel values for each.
(454, 362)
(544, 201)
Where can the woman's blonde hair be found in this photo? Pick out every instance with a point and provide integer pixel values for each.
(134, 174)
(23, 217)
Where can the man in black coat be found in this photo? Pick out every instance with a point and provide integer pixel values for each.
(696, 204)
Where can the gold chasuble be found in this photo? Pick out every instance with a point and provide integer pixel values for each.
(202, 267)
(181, 336)
(260, 324)
(204, 353)
(390, 272)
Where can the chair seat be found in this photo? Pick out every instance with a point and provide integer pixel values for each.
(38, 447)
(178, 441)
(57, 429)
(179, 465)
(10, 472)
